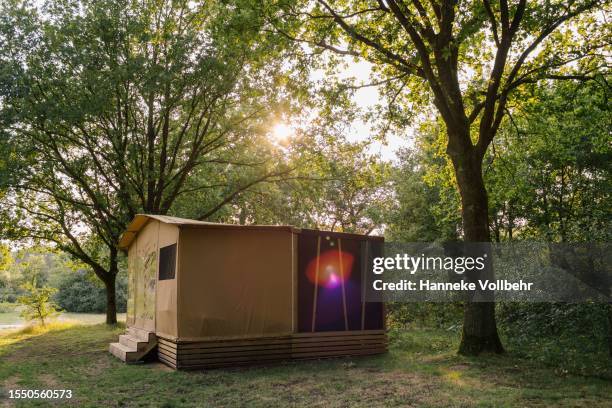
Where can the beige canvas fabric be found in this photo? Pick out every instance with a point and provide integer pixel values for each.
(230, 281)
(142, 277)
(235, 282)
(166, 310)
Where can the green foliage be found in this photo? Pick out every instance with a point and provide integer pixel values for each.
(549, 175)
(9, 294)
(555, 319)
(37, 304)
(427, 205)
(114, 108)
(80, 292)
(6, 260)
(548, 178)
(338, 186)
(438, 315)
(30, 265)
(78, 289)
(570, 337)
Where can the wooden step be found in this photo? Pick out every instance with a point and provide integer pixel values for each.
(134, 345)
(141, 334)
(132, 342)
(124, 353)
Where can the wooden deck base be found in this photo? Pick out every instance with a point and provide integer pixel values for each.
(237, 352)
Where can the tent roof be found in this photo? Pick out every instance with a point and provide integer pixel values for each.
(142, 219)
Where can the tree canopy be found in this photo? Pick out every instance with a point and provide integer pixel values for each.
(109, 107)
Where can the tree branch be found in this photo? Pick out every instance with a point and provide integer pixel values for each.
(230, 197)
(373, 44)
(492, 20)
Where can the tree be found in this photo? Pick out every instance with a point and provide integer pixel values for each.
(110, 107)
(81, 292)
(468, 57)
(552, 167)
(37, 303)
(548, 179)
(426, 202)
(31, 268)
(340, 187)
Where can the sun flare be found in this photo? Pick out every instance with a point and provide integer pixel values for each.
(281, 131)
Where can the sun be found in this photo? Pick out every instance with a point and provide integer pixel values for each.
(282, 131)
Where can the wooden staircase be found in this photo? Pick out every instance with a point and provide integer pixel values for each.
(134, 345)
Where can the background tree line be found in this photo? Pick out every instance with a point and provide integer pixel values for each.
(78, 289)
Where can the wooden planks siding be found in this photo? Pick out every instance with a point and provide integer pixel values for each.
(236, 352)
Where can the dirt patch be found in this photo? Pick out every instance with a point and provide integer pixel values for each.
(157, 366)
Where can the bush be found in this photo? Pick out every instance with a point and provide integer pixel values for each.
(572, 337)
(554, 319)
(9, 294)
(435, 315)
(81, 292)
(37, 304)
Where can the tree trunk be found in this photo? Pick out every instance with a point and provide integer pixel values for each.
(479, 325)
(111, 299)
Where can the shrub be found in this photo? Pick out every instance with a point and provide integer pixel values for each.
(37, 303)
(554, 319)
(9, 294)
(573, 337)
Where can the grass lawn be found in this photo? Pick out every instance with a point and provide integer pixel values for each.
(421, 369)
(12, 319)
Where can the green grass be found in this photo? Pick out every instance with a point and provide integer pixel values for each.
(421, 369)
(13, 318)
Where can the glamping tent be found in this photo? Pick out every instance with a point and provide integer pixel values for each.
(208, 295)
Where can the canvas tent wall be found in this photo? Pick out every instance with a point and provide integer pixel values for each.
(152, 303)
(218, 294)
(235, 282)
(228, 280)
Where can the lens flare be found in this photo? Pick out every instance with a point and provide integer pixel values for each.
(281, 132)
(330, 275)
